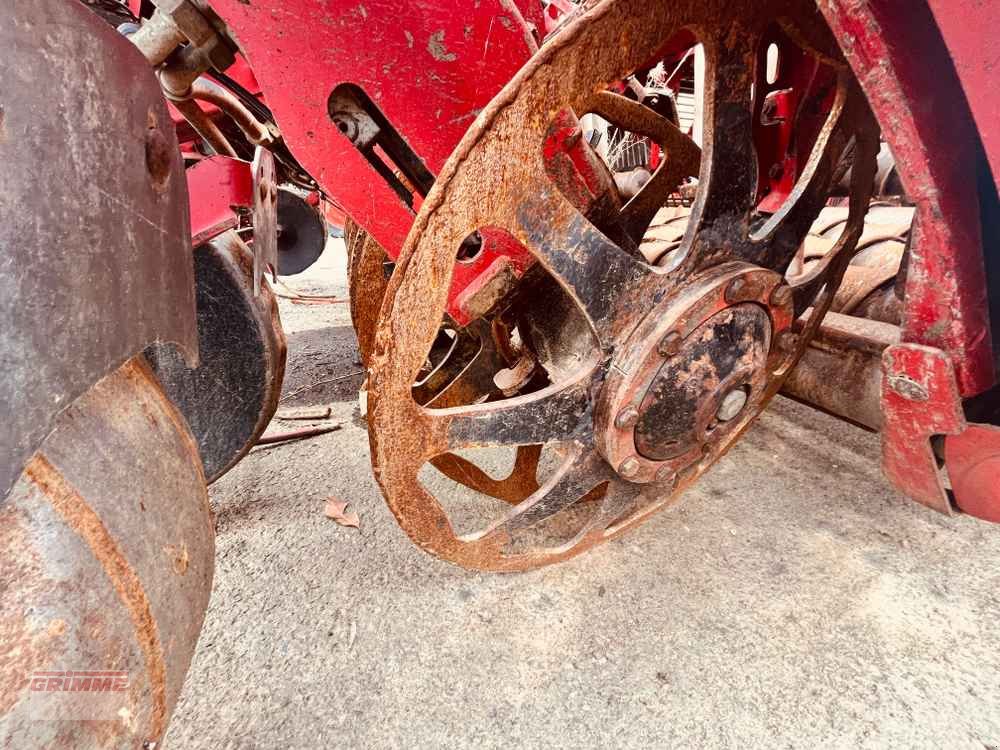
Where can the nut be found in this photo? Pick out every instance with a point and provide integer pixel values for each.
(629, 467)
(626, 418)
(732, 404)
(669, 344)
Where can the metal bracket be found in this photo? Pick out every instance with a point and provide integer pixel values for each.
(95, 257)
(265, 216)
(920, 399)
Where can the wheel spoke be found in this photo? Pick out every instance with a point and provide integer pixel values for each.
(828, 273)
(729, 172)
(595, 272)
(620, 501)
(474, 380)
(774, 245)
(580, 473)
(519, 484)
(449, 360)
(557, 413)
(681, 157)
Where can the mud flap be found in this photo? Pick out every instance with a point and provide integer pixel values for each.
(95, 257)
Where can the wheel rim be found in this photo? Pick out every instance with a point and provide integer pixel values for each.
(635, 313)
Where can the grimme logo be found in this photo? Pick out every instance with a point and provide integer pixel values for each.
(79, 682)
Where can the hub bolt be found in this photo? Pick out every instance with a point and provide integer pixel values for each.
(629, 467)
(669, 344)
(732, 404)
(781, 296)
(626, 418)
(666, 474)
(736, 290)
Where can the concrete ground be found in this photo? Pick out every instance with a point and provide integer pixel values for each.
(792, 600)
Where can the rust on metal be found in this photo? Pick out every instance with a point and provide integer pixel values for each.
(123, 277)
(841, 371)
(367, 281)
(265, 217)
(111, 571)
(498, 177)
(82, 519)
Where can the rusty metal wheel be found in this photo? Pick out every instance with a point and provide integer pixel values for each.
(462, 370)
(108, 556)
(653, 372)
(366, 282)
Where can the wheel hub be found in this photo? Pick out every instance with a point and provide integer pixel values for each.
(622, 341)
(693, 374)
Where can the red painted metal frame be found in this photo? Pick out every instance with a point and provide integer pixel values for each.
(429, 67)
(968, 28)
(901, 63)
(788, 116)
(216, 187)
(897, 51)
(919, 400)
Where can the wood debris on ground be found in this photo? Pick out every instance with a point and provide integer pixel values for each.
(341, 512)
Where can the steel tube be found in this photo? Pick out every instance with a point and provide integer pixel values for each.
(841, 370)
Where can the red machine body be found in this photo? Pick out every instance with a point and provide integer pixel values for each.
(448, 131)
(425, 72)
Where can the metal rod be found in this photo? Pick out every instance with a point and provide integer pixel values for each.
(204, 126)
(256, 132)
(841, 370)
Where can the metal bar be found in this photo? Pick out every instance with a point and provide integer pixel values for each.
(841, 371)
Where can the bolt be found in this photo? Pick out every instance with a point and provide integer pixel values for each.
(736, 290)
(347, 125)
(626, 418)
(732, 404)
(629, 467)
(669, 344)
(907, 388)
(666, 474)
(781, 296)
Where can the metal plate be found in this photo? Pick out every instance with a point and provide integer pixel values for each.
(109, 549)
(920, 399)
(219, 187)
(95, 259)
(265, 216)
(230, 397)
